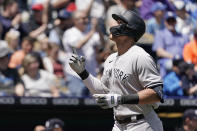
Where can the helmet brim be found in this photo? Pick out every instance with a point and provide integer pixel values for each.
(119, 17)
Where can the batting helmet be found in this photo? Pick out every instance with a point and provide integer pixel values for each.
(133, 25)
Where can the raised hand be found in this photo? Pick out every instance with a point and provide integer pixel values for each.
(76, 62)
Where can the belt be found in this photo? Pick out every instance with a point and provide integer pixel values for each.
(130, 119)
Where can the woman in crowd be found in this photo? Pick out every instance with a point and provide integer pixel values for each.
(53, 63)
(37, 82)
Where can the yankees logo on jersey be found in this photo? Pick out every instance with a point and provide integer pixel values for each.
(117, 74)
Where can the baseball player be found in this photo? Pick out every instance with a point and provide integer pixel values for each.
(130, 84)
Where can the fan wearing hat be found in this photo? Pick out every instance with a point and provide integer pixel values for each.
(168, 43)
(54, 124)
(157, 22)
(189, 120)
(10, 82)
(37, 22)
(62, 23)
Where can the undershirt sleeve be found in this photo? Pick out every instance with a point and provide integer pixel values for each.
(95, 86)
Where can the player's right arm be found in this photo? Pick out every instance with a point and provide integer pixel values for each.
(94, 85)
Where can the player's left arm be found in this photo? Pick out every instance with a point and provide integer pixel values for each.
(148, 96)
(150, 79)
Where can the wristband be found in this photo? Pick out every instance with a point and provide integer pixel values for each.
(84, 74)
(129, 99)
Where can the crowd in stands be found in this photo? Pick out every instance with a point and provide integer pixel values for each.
(38, 36)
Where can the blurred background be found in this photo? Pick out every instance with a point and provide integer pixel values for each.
(38, 89)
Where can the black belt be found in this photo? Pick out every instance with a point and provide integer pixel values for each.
(130, 119)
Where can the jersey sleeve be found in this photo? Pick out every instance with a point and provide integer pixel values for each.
(148, 73)
(95, 86)
(98, 86)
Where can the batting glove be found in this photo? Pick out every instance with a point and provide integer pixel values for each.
(77, 63)
(107, 100)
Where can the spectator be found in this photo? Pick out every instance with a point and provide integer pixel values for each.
(157, 22)
(11, 18)
(185, 23)
(191, 7)
(9, 77)
(39, 58)
(145, 9)
(123, 6)
(85, 40)
(18, 56)
(93, 8)
(63, 22)
(189, 120)
(41, 45)
(51, 8)
(38, 23)
(52, 62)
(23, 5)
(172, 81)
(54, 124)
(56, 4)
(168, 44)
(12, 38)
(190, 51)
(55, 65)
(37, 82)
(189, 79)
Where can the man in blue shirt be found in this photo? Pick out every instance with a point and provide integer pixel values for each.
(172, 81)
(168, 44)
(157, 22)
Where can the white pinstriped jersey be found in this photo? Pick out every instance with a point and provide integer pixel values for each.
(129, 73)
